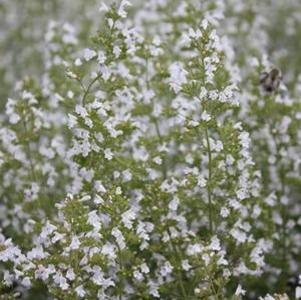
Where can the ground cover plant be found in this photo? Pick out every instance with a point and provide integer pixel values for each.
(150, 150)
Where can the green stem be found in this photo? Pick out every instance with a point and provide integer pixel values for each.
(34, 177)
(121, 270)
(157, 128)
(283, 212)
(87, 90)
(175, 250)
(33, 174)
(209, 192)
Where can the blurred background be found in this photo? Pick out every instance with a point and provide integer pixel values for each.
(271, 27)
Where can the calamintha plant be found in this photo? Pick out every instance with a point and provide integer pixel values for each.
(146, 166)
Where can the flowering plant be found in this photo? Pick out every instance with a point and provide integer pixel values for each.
(150, 163)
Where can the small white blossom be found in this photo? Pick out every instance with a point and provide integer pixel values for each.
(239, 291)
(75, 243)
(80, 292)
(89, 54)
(177, 76)
(128, 217)
(108, 154)
(121, 11)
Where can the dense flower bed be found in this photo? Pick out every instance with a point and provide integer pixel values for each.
(159, 159)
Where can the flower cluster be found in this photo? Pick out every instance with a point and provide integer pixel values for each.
(151, 162)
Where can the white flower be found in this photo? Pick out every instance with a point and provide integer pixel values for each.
(70, 274)
(185, 265)
(99, 187)
(206, 258)
(94, 220)
(239, 235)
(244, 139)
(47, 230)
(121, 11)
(57, 237)
(138, 275)
(119, 237)
(203, 93)
(98, 200)
(205, 116)
(158, 160)
(80, 292)
(242, 194)
(204, 24)
(215, 244)
(194, 249)
(229, 160)
(89, 54)
(201, 181)
(85, 197)
(72, 121)
(298, 292)
(99, 279)
(177, 76)
(267, 297)
(14, 118)
(118, 191)
(284, 125)
(61, 281)
(153, 289)
(108, 250)
(218, 146)
(8, 278)
(224, 212)
(75, 243)
(173, 204)
(116, 51)
(144, 268)
(239, 291)
(26, 282)
(166, 269)
(80, 110)
(78, 62)
(108, 154)
(101, 58)
(103, 7)
(127, 175)
(128, 217)
(36, 253)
